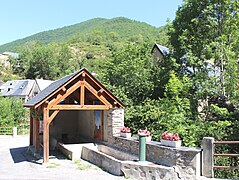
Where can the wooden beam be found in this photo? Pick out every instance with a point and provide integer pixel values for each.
(99, 85)
(57, 91)
(45, 134)
(76, 96)
(31, 126)
(82, 94)
(100, 91)
(52, 116)
(101, 98)
(80, 107)
(67, 93)
(37, 140)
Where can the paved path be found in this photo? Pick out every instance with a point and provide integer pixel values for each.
(17, 164)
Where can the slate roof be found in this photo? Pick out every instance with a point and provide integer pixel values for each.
(49, 90)
(42, 83)
(164, 50)
(17, 87)
(59, 83)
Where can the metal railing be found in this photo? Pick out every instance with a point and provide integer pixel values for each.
(226, 155)
(21, 130)
(6, 130)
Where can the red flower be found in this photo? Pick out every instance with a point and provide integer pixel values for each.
(170, 136)
(125, 130)
(145, 131)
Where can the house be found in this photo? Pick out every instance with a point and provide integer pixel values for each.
(159, 51)
(42, 83)
(74, 108)
(24, 89)
(4, 58)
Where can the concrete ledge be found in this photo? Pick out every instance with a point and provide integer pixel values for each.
(106, 162)
(73, 151)
(130, 169)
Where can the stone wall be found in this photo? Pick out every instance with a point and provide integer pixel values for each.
(115, 120)
(185, 160)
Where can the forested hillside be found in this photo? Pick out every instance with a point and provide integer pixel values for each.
(118, 28)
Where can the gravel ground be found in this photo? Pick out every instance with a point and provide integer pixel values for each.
(16, 163)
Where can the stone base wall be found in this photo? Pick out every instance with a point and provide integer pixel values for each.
(185, 160)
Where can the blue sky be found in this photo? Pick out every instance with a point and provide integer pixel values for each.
(20, 19)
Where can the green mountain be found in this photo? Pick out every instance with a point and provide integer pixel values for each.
(92, 30)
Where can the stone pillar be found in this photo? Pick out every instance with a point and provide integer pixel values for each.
(207, 160)
(115, 120)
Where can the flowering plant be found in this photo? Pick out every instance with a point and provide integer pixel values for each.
(125, 130)
(144, 131)
(170, 136)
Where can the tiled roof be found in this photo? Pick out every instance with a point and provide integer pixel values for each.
(50, 89)
(17, 87)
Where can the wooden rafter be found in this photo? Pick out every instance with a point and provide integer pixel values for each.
(80, 107)
(52, 116)
(95, 93)
(67, 93)
(82, 94)
(107, 92)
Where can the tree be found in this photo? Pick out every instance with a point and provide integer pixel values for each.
(42, 64)
(204, 36)
(129, 71)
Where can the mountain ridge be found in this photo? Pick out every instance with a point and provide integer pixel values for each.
(123, 28)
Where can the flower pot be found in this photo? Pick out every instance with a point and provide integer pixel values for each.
(125, 135)
(148, 138)
(170, 143)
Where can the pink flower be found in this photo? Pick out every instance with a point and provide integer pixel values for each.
(170, 136)
(145, 131)
(125, 130)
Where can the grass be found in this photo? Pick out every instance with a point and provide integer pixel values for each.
(53, 165)
(82, 166)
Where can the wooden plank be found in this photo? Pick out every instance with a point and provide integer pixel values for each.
(227, 155)
(80, 107)
(45, 134)
(226, 167)
(101, 98)
(226, 142)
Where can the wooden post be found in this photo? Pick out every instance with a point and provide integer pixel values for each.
(82, 94)
(37, 135)
(45, 134)
(31, 126)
